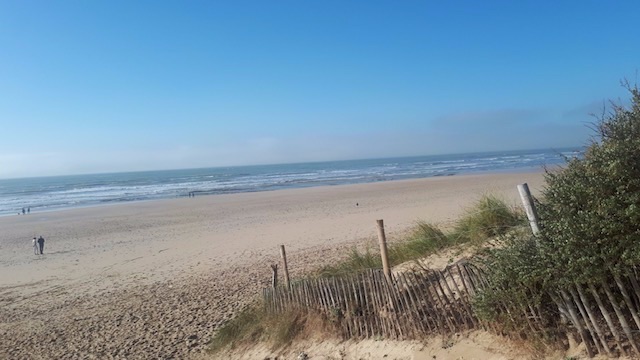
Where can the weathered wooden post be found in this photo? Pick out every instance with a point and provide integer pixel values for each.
(529, 207)
(383, 250)
(283, 254)
(274, 275)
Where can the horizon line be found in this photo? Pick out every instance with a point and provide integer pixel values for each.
(285, 163)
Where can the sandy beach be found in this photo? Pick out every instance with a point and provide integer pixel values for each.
(155, 279)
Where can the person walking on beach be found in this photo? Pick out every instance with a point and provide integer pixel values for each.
(23, 211)
(41, 244)
(29, 210)
(35, 246)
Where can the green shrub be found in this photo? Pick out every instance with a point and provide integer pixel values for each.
(512, 275)
(590, 225)
(591, 209)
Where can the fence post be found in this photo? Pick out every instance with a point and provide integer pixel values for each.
(383, 250)
(283, 254)
(529, 207)
(274, 276)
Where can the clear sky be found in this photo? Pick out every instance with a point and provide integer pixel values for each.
(102, 86)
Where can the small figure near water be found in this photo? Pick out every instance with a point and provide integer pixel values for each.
(35, 246)
(29, 210)
(24, 211)
(41, 244)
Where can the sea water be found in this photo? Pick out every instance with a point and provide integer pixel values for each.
(59, 192)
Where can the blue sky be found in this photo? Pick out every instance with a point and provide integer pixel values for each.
(90, 86)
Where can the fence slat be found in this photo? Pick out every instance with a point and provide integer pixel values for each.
(463, 299)
(381, 319)
(616, 308)
(430, 305)
(607, 317)
(575, 318)
(356, 288)
(392, 290)
(455, 307)
(425, 305)
(440, 311)
(592, 318)
(414, 315)
(627, 299)
(585, 318)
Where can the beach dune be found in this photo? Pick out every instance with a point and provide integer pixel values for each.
(203, 257)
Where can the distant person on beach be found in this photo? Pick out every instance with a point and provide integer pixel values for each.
(23, 211)
(41, 244)
(29, 210)
(35, 246)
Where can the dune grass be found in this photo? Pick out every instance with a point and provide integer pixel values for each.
(253, 325)
(248, 324)
(487, 218)
(424, 238)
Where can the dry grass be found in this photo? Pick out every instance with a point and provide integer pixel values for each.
(255, 325)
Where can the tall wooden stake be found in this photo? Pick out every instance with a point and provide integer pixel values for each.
(274, 276)
(383, 250)
(529, 207)
(283, 254)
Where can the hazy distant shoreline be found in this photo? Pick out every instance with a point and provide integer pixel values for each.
(81, 191)
(532, 170)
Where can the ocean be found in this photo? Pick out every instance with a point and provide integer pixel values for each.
(60, 192)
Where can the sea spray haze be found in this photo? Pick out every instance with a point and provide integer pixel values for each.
(50, 193)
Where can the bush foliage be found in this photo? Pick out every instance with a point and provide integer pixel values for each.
(589, 217)
(591, 209)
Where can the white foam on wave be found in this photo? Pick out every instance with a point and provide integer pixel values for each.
(87, 190)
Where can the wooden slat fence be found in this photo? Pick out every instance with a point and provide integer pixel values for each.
(414, 304)
(604, 315)
(419, 303)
